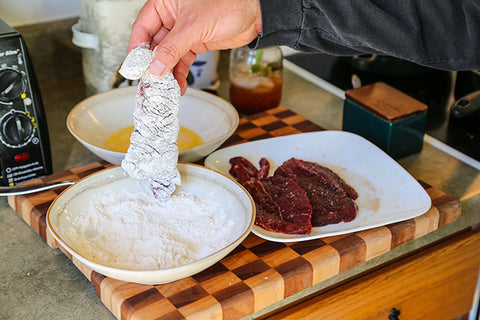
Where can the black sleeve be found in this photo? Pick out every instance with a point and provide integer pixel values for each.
(443, 34)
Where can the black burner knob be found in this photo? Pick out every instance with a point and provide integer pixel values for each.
(11, 85)
(16, 128)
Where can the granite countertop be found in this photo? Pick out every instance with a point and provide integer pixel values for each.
(42, 283)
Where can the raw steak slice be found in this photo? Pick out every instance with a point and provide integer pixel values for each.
(294, 205)
(281, 205)
(332, 199)
(264, 169)
(242, 169)
(326, 175)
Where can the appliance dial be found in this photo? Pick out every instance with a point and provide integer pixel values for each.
(11, 85)
(16, 129)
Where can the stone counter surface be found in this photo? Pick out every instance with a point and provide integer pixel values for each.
(40, 283)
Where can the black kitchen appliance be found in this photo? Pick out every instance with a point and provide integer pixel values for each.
(24, 142)
(438, 89)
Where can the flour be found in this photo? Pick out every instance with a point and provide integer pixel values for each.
(136, 63)
(134, 231)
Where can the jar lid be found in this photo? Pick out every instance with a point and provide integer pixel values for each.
(386, 101)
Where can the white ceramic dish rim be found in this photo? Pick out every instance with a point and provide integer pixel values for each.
(140, 275)
(217, 160)
(192, 92)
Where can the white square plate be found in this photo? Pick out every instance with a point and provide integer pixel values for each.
(387, 192)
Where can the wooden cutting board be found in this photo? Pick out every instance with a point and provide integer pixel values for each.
(257, 273)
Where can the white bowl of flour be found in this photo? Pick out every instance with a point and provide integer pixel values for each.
(111, 224)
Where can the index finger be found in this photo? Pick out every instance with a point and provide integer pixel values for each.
(147, 24)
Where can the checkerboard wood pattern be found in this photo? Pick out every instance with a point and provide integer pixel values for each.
(275, 122)
(257, 273)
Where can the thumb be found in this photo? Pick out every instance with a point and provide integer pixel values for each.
(169, 51)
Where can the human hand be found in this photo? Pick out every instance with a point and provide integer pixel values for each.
(181, 29)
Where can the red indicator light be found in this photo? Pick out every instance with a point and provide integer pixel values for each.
(22, 157)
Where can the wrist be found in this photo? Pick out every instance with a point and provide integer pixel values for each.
(257, 23)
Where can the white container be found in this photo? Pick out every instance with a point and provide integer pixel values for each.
(204, 71)
(103, 32)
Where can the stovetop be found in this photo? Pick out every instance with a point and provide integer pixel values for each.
(435, 88)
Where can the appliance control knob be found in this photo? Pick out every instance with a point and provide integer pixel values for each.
(11, 84)
(16, 128)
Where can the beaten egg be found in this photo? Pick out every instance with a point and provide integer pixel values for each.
(119, 140)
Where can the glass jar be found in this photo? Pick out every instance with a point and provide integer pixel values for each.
(255, 79)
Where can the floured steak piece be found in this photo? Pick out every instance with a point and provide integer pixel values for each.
(332, 199)
(153, 152)
(281, 205)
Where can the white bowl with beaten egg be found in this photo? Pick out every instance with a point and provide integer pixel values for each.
(103, 123)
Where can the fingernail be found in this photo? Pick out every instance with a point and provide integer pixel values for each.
(157, 68)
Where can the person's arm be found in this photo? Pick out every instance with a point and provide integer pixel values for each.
(437, 33)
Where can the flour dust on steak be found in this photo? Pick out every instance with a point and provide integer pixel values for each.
(300, 195)
(153, 153)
